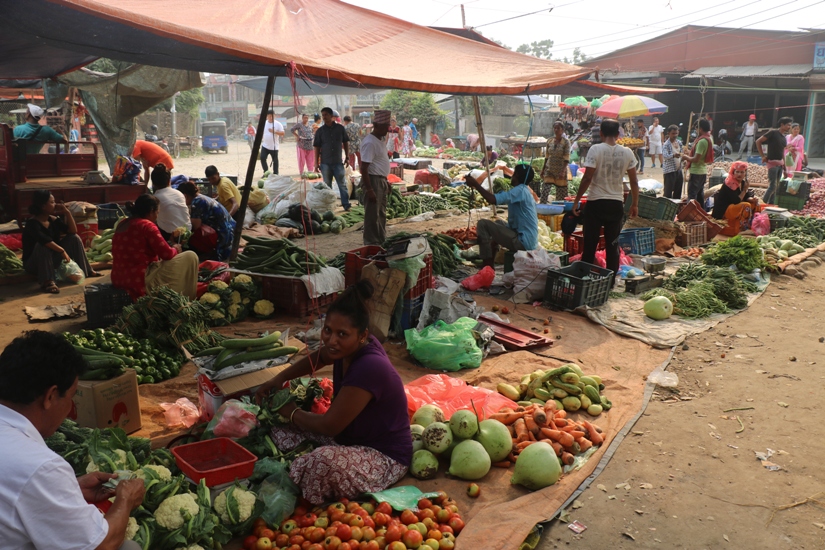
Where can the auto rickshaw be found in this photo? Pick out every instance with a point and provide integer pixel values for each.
(214, 136)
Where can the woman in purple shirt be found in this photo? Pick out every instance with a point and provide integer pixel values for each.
(365, 434)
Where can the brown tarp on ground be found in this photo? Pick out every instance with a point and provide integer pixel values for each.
(329, 40)
(503, 515)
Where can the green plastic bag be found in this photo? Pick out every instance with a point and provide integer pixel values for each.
(402, 497)
(446, 347)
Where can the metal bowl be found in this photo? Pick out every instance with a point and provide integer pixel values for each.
(654, 265)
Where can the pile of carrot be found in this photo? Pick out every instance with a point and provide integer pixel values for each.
(689, 252)
(463, 234)
(534, 423)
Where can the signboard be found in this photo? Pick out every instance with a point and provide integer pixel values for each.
(819, 56)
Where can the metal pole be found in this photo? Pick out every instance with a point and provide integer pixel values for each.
(483, 141)
(174, 117)
(457, 116)
(250, 169)
(463, 20)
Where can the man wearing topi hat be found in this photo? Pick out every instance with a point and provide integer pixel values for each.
(34, 132)
(748, 136)
(375, 167)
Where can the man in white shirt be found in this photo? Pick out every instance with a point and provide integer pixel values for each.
(748, 137)
(655, 133)
(42, 503)
(172, 210)
(271, 141)
(606, 165)
(375, 167)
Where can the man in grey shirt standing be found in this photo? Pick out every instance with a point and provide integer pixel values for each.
(375, 167)
(331, 141)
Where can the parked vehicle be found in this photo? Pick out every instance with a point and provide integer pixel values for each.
(214, 136)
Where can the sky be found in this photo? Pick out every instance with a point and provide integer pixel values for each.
(598, 27)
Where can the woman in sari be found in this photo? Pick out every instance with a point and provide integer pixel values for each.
(795, 148)
(730, 202)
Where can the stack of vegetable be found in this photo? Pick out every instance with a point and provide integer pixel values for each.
(277, 257)
(234, 351)
(461, 198)
(816, 199)
(109, 352)
(550, 240)
(802, 236)
(778, 250)
(426, 152)
(443, 248)
(744, 253)
(308, 221)
(458, 154)
(339, 261)
(9, 262)
(311, 175)
(101, 249)
(169, 320)
(229, 303)
(463, 234)
(355, 215)
(567, 385)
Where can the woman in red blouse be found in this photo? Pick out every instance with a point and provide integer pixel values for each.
(143, 258)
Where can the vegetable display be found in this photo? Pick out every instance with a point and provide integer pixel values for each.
(728, 287)
(229, 303)
(169, 320)
(9, 262)
(816, 199)
(745, 254)
(442, 247)
(234, 351)
(463, 234)
(461, 198)
(566, 385)
(350, 525)
(698, 300)
(550, 240)
(109, 353)
(101, 248)
(277, 257)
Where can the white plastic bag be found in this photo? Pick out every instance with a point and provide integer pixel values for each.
(321, 198)
(180, 413)
(530, 274)
(248, 218)
(662, 378)
(278, 187)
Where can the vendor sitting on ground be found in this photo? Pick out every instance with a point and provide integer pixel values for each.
(172, 210)
(732, 203)
(38, 379)
(228, 193)
(521, 232)
(365, 434)
(145, 260)
(212, 226)
(49, 240)
(34, 132)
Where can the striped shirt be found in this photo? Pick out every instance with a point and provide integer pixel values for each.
(669, 149)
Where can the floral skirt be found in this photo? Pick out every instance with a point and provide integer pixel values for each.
(334, 471)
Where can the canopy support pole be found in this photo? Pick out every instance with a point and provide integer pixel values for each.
(250, 169)
(483, 141)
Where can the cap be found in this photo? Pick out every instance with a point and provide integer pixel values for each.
(752, 117)
(335, 113)
(558, 123)
(381, 117)
(35, 111)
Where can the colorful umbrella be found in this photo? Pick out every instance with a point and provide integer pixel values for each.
(630, 106)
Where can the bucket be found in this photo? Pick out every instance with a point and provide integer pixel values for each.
(574, 169)
(87, 230)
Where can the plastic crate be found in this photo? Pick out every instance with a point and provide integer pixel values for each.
(803, 192)
(579, 284)
(693, 212)
(696, 233)
(791, 202)
(716, 180)
(564, 257)
(289, 294)
(359, 258)
(410, 312)
(217, 461)
(104, 303)
(638, 240)
(653, 208)
(777, 222)
(108, 214)
(574, 243)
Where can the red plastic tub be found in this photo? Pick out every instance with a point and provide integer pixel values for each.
(218, 461)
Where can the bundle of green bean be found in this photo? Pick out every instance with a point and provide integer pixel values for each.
(243, 350)
(277, 257)
(9, 262)
(697, 301)
(355, 215)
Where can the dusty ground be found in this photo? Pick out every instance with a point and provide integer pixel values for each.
(706, 487)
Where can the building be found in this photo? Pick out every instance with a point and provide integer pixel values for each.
(226, 100)
(731, 74)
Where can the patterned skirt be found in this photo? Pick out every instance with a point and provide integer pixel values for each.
(334, 471)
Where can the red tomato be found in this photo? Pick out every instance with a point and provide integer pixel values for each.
(357, 533)
(408, 517)
(369, 522)
(317, 535)
(353, 506)
(305, 545)
(443, 515)
(315, 546)
(442, 496)
(434, 534)
(412, 539)
(457, 524)
(296, 540)
(368, 533)
(343, 532)
(332, 543)
(381, 542)
(424, 503)
(249, 542)
(445, 528)
(380, 519)
(282, 540)
(356, 521)
(384, 508)
(268, 533)
(393, 533)
(397, 545)
(263, 543)
(299, 511)
(259, 521)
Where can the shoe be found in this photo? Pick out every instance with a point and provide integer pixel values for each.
(653, 166)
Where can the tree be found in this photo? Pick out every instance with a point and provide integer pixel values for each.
(537, 49)
(579, 57)
(485, 103)
(315, 105)
(406, 105)
(187, 102)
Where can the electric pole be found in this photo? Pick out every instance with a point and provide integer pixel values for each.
(463, 20)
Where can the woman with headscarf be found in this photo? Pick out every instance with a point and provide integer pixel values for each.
(210, 220)
(795, 148)
(730, 202)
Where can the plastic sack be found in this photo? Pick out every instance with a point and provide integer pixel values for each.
(248, 218)
(412, 266)
(453, 394)
(211, 265)
(257, 200)
(234, 419)
(628, 271)
(126, 170)
(761, 224)
(482, 279)
(530, 274)
(441, 306)
(321, 198)
(69, 272)
(601, 258)
(447, 347)
(278, 492)
(180, 413)
(277, 187)
(12, 241)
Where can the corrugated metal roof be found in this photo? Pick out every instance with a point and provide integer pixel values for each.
(751, 71)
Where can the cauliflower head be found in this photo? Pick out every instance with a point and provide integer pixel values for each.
(162, 472)
(209, 299)
(264, 308)
(215, 314)
(234, 311)
(131, 529)
(170, 513)
(246, 301)
(235, 297)
(234, 505)
(242, 279)
(218, 285)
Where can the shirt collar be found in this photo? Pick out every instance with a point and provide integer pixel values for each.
(20, 423)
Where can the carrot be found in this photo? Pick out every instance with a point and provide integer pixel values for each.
(556, 447)
(512, 458)
(503, 464)
(507, 418)
(562, 437)
(530, 436)
(511, 430)
(593, 434)
(531, 424)
(576, 434)
(523, 445)
(560, 414)
(567, 459)
(540, 417)
(521, 429)
(506, 410)
(584, 443)
(560, 422)
(550, 408)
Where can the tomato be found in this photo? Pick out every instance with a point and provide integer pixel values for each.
(263, 543)
(371, 545)
(424, 503)
(412, 539)
(369, 522)
(432, 543)
(357, 534)
(368, 533)
(434, 534)
(384, 508)
(259, 530)
(442, 496)
(305, 545)
(336, 515)
(307, 519)
(282, 540)
(393, 533)
(368, 507)
(430, 523)
(332, 543)
(362, 513)
(353, 506)
(288, 526)
(408, 517)
(317, 535)
(356, 521)
(296, 539)
(380, 519)
(344, 532)
(381, 542)
(443, 515)
(457, 524)
(268, 533)
(446, 544)
(420, 527)
(337, 506)
(426, 513)
(299, 511)
(445, 528)
(331, 530)
(250, 542)
(397, 545)
(319, 547)
(322, 521)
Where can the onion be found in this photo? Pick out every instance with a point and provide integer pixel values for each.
(427, 414)
(495, 437)
(469, 460)
(658, 308)
(537, 467)
(464, 424)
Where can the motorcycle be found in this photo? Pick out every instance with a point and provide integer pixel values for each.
(154, 138)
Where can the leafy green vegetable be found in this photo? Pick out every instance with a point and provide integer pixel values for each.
(697, 301)
(745, 254)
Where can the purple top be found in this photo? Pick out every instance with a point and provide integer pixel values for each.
(384, 423)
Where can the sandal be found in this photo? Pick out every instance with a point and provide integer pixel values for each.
(51, 288)
(95, 274)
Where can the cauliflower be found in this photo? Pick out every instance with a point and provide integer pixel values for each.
(264, 308)
(246, 301)
(91, 466)
(131, 529)
(242, 279)
(209, 299)
(234, 311)
(120, 462)
(235, 505)
(215, 314)
(162, 472)
(235, 297)
(170, 513)
(217, 285)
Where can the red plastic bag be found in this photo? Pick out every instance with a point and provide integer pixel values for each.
(482, 279)
(761, 224)
(234, 419)
(204, 239)
(212, 265)
(601, 258)
(12, 241)
(453, 394)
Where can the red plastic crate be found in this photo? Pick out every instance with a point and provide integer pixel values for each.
(694, 212)
(574, 243)
(357, 259)
(218, 461)
(290, 294)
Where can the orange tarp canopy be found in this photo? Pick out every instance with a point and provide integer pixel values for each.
(327, 40)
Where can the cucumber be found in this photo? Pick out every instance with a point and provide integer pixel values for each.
(255, 356)
(209, 351)
(241, 343)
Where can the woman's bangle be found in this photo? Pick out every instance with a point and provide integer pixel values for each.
(292, 415)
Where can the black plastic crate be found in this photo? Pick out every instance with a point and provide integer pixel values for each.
(104, 303)
(580, 284)
(410, 312)
(108, 214)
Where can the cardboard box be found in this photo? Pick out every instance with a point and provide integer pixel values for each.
(213, 394)
(108, 403)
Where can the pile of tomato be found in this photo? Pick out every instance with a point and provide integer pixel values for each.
(350, 525)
